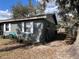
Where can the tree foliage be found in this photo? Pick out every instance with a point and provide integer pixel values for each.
(69, 5)
(19, 11)
(70, 22)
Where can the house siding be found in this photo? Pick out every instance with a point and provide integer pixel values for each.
(39, 30)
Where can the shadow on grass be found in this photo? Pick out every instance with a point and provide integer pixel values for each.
(58, 37)
(10, 48)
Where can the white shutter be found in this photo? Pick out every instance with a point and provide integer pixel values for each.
(31, 27)
(4, 27)
(9, 26)
(22, 26)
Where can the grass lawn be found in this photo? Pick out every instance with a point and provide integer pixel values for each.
(5, 41)
(53, 50)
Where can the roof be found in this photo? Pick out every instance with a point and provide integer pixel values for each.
(28, 18)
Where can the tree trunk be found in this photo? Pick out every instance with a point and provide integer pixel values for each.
(76, 43)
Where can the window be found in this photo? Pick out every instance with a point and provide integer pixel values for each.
(28, 27)
(7, 27)
(20, 26)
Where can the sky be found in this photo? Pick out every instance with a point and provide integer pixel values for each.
(6, 5)
(51, 7)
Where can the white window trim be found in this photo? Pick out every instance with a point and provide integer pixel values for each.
(31, 28)
(4, 28)
(9, 27)
(22, 26)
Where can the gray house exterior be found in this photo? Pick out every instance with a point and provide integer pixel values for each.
(34, 29)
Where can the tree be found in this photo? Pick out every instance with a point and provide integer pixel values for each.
(69, 5)
(42, 5)
(66, 7)
(19, 11)
(31, 9)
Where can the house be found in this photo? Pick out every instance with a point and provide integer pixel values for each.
(35, 29)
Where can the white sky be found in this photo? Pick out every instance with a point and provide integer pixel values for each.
(51, 7)
(5, 15)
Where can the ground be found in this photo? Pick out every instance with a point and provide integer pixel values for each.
(52, 50)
